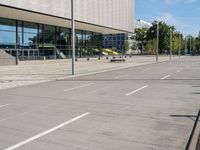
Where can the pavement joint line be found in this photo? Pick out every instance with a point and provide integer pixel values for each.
(4, 105)
(120, 76)
(165, 77)
(24, 113)
(135, 91)
(78, 87)
(46, 132)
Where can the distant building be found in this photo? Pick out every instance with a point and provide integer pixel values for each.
(116, 41)
(141, 24)
(138, 24)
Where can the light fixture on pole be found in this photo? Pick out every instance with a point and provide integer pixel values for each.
(73, 37)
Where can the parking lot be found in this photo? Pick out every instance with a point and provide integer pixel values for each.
(149, 107)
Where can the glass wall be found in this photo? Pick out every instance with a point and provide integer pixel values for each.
(7, 33)
(30, 35)
(36, 41)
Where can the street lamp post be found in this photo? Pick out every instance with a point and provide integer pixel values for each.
(190, 45)
(180, 43)
(186, 46)
(171, 39)
(157, 47)
(73, 37)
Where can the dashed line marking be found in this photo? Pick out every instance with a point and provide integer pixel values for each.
(135, 91)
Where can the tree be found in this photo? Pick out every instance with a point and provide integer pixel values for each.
(164, 35)
(151, 47)
(177, 42)
(126, 46)
(140, 37)
(197, 44)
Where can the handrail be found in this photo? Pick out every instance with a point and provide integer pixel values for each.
(192, 133)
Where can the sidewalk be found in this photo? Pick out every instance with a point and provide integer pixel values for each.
(33, 72)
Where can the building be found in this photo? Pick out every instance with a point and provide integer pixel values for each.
(141, 24)
(116, 41)
(41, 28)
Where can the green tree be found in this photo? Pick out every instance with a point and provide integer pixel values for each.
(140, 36)
(177, 42)
(126, 46)
(164, 35)
(150, 47)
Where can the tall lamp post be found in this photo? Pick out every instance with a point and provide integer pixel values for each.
(186, 46)
(157, 47)
(171, 40)
(73, 37)
(180, 43)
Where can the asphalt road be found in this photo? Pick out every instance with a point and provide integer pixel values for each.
(150, 107)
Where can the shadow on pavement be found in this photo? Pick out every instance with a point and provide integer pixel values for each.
(191, 117)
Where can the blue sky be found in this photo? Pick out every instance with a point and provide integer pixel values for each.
(183, 14)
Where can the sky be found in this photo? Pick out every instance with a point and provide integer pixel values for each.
(183, 14)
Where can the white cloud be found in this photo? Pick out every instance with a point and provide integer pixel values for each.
(185, 28)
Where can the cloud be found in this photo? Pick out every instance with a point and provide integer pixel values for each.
(185, 28)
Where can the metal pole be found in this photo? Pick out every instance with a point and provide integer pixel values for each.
(190, 45)
(185, 45)
(179, 53)
(171, 38)
(157, 47)
(73, 37)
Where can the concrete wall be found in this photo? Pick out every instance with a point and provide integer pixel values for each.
(117, 14)
(6, 59)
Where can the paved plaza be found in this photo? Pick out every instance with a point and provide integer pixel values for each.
(149, 107)
(32, 72)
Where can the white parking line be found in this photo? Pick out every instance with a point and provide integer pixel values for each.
(135, 91)
(165, 77)
(78, 87)
(46, 132)
(4, 105)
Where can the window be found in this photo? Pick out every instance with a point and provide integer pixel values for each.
(30, 35)
(7, 33)
(49, 35)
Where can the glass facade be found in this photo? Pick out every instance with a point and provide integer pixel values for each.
(114, 41)
(36, 41)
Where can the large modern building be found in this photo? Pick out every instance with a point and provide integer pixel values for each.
(41, 28)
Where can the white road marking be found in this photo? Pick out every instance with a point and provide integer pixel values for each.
(165, 77)
(135, 91)
(78, 87)
(46, 132)
(4, 105)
